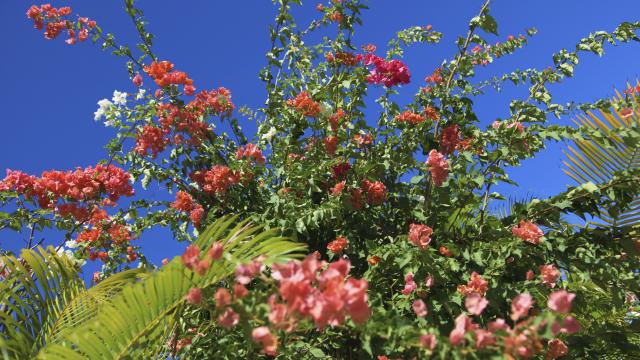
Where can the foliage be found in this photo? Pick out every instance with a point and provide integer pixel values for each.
(399, 202)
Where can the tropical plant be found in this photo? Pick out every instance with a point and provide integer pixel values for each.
(588, 161)
(42, 295)
(129, 314)
(407, 259)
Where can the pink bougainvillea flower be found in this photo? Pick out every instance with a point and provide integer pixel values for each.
(528, 232)
(463, 324)
(194, 296)
(475, 303)
(560, 301)
(428, 341)
(216, 251)
(409, 284)
(191, 256)
(420, 308)
(419, 235)
(246, 272)
(222, 298)
(549, 274)
(263, 336)
(228, 318)
(438, 166)
(484, 338)
(520, 306)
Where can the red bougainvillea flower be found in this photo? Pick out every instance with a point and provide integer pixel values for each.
(263, 336)
(435, 77)
(335, 119)
(450, 139)
(338, 245)
(194, 296)
(331, 145)
(528, 232)
(196, 215)
(520, 306)
(431, 113)
(251, 151)
(183, 202)
(150, 138)
(557, 349)
(420, 235)
(389, 73)
(340, 170)
(428, 341)
(569, 325)
(475, 303)
(374, 260)
(560, 301)
(549, 274)
(304, 104)
(438, 166)
(476, 284)
(363, 140)
(420, 308)
(163, 74)
(376, 192)
(410, 117)
(338, 188)
(217, 180)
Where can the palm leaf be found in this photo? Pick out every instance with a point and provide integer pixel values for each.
(140, 318)
(588, 161)
(44, 294)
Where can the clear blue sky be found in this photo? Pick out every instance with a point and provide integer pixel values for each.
(49, 89)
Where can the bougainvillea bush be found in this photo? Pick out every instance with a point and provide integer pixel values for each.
(404, 257)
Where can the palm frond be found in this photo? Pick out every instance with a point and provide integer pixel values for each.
(40, 296)
(587, 161)
(139, 319)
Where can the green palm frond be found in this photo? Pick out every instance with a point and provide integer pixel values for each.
(43, 294)
(588, 161)
(137, 321)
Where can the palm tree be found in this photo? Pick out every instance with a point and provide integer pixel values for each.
(590, 162)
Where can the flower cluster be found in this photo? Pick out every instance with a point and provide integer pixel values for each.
(376, 192)
(528, 231)
(217, 180)
(184, 202)
(150, 138)
(163, 74)
(337, 245)
(523, 340)
(250, 151)
(438, 166)
(78, 185)
(389, 73)
(325, 296)
(420, 235)
(410, 117)
(344, 58)
(304, 104)
(55, 23)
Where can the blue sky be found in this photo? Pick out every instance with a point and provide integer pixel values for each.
(49, 89)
